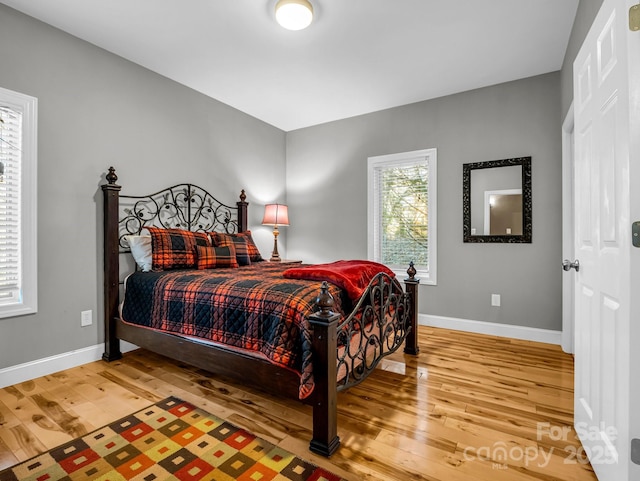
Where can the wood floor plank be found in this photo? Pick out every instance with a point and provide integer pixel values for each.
(35, 423)
(7, 458)
(468, 407)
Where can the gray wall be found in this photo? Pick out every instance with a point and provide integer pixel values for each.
(96, 110)
(587, 11)
(327, 191)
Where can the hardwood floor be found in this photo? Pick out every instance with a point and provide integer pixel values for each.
(469, 407)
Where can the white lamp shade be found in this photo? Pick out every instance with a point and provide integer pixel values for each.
(275, 214)
(294, 14)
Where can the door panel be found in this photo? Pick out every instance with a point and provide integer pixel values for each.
(610, 380)
(584, 210)
(608, 217)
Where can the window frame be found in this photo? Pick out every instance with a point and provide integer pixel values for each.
(28, 298)
(427, 274)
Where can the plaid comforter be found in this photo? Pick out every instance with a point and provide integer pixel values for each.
(253, 309)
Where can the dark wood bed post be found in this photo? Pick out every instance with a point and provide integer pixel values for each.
(242, 212)
(111, 192)
(325, 394)
(411, 285)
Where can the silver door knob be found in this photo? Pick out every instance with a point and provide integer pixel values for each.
(567, 265)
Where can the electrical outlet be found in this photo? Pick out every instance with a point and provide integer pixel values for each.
(495, 300)
(86, 318)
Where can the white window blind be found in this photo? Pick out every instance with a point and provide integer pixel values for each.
(402, 211)
(10, 187)
(18, 202)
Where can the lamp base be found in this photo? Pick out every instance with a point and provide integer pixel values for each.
(275, 257)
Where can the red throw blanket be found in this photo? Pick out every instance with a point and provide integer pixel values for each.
(352, 276)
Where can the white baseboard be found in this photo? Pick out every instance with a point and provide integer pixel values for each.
(67, 360)
(494, 329)
(48, 365)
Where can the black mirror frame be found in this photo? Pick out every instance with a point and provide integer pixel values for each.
(527, 227)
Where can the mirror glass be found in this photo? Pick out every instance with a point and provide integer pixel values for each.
(497, 201)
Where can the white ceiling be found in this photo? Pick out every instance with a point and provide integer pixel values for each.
(358, 56)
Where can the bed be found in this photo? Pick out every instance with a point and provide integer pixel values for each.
(337, 334)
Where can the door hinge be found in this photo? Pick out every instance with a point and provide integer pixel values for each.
(635, 451)
(635, 234)
(634, 18)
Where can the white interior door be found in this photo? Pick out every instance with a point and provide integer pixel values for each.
(606, 391)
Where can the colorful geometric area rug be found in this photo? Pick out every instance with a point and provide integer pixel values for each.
(170, 440)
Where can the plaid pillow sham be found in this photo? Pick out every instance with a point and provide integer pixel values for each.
(252, 248)
(175, 248)
(216, 257)
(240, 243)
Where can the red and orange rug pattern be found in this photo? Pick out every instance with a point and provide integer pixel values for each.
(170, 440)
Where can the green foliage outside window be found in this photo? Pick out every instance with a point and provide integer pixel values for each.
(404, 211)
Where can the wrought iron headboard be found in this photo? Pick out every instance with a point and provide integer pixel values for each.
(182, 206)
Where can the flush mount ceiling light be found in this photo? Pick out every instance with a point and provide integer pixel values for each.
(294, 14)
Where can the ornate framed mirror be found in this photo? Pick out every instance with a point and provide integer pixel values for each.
(496, 201)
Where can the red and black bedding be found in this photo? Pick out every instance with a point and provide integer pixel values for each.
(195, 288)
(252, 308)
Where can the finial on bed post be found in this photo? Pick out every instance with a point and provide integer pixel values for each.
(112, 177)
(325, 301)
(325, 393)
(411, 270)
(242, 212)
(411, 286)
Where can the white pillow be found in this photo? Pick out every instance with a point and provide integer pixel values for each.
(140, 246)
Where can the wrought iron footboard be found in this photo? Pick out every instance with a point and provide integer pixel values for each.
(377, 327)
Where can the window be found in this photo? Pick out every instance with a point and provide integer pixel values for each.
(18, 246)
(402, 211)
